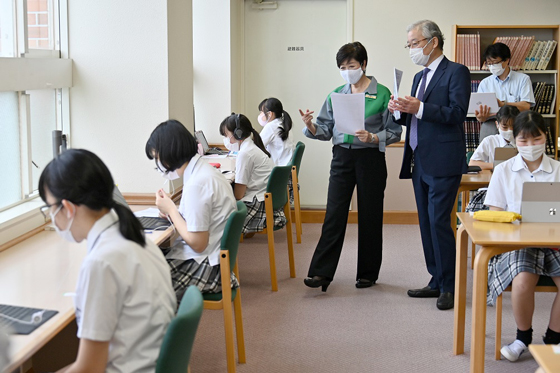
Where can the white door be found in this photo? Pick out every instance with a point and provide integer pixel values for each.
(290, 54)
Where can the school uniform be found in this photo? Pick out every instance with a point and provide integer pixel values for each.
(206, 204)
(505, 191)
(124, 296)
(252, 169)
(485, 153)
(281, 151)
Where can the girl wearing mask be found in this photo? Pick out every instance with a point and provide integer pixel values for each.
(124, 300)
(484, 153)
(253, 166)
(522, 268)
(206, 204)
(275, 134)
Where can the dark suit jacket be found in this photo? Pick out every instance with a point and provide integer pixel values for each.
(441, 136)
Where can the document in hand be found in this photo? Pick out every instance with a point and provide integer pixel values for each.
(396, 84)
(349, 112)
(488, 99)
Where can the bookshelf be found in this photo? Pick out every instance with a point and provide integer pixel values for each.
(548, 74)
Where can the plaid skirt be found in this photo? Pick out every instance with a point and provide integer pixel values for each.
(256, 217)
(205, 277)
(503, 268)
(477, 202)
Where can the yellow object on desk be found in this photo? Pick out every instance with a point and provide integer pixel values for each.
(496, 216)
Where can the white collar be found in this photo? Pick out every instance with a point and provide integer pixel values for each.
(190, 168)
(435, 63)
(246, 143)
(99, 227)
(519, 164)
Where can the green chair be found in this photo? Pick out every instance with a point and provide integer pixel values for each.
(178, 341)
(215, 301)
(275, 198)
(296, 163)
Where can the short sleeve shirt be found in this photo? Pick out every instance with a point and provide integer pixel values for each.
(252, 168)
(281, 151)
(124, 296)
(485, 150)
(515, 88)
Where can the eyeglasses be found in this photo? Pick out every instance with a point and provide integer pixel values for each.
(414, 44)
(46, 209)
(494, 63)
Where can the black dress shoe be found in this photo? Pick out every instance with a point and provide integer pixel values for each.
(426, 292)
(364, 283)
(317, 281)
(445, 301)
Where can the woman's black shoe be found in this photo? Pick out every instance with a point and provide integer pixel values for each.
(316, 281)
(363, 283)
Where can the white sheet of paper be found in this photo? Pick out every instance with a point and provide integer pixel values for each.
(396, 84)
(556, 349)
(349, 112)
(151, 212)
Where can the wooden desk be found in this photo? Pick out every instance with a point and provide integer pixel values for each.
(495, 238)
(41, 272)
(469, 182)
(545, 356)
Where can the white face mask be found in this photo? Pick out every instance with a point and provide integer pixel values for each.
(232, 147)
(496, 69)
(66, 233)
(507, 135)
(417, 55)
(169, 175)
(352, 76)
(531, 152)
(262, 119)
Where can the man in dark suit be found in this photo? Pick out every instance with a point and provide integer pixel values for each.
(434, 153)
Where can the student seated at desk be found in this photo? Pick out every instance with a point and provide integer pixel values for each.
(206, 204)
(522, 268)
(124, 300)
(483, 156)
(253, 166)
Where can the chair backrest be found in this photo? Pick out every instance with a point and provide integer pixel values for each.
(178, 341)
(232, 232)
(297, 156)
(278, 185)
(469, 156)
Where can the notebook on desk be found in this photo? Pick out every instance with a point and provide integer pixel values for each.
(199, 136)
(503, 154)
(149, 223)
(540, 202)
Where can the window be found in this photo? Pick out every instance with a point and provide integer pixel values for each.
(34, 82)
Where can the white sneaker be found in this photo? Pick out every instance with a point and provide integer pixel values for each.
(513, 350)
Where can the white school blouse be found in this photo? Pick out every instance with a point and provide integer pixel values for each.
(281, 151)
(252, 168)
(485, 150)
(124, 296)
(506, 184)
(206, 204)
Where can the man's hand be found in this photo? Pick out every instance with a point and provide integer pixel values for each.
(392, 106)
(408, 104)
(483, 113)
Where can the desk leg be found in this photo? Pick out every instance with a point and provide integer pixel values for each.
(460, 291)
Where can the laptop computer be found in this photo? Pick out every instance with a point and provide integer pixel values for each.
(503, 154)
(199, 136)
(488, 99)
(540, 202)
(148, 222)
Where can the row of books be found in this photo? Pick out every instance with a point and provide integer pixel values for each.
(549, 149)
(545, 97)
(472, 134)
(474, 85)
(526, 53)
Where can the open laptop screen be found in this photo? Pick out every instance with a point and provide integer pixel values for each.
(199, 135)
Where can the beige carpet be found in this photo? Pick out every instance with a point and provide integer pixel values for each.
(379, 329)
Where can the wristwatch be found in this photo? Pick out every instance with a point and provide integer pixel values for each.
(372, 138)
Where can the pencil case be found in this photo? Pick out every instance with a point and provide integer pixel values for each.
(496, 216)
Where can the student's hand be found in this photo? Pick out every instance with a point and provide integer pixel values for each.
(408, 104)
(500, 102)
(365, 136)
(307, 117)
(482, 114)
(164, 203)
(392, 106)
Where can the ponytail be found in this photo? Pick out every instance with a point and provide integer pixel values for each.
(258, 142)
(129, 226)
(286, 125)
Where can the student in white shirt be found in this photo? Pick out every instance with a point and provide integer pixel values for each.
(276, 135)
(124, 300)
(252, 171)
(522, 268)
(484, 153)
(206, 204)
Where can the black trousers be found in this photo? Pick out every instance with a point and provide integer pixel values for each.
(367, 169)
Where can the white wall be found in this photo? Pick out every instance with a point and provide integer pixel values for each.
(123, 81)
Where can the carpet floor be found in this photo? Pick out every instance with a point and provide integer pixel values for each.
(378, 329)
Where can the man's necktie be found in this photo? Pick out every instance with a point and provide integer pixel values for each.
(413, 140)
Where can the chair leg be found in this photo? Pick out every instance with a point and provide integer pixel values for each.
(297, 206)
(497, 347)
(473, 253)
(270, 234)
(290, 240)
(239, 323)
(225, 273)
